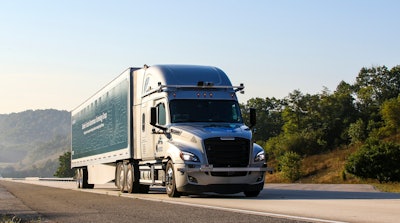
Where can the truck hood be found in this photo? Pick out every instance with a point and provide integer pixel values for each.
(210, 130)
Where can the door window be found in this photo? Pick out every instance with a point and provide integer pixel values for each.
(161, 114)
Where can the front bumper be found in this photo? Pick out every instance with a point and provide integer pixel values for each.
(220, 188)
(224, 180)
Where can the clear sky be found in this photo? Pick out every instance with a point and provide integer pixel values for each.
(55, 54)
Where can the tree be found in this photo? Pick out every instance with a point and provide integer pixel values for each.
(377, 84)
(373, 87)
(390, 111)
(64, 168)
(314, 123)
(376, 160)
(290, 164)
(269, 119)
(356, 131)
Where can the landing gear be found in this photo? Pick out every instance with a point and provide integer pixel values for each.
(78, 177)
(82, 177)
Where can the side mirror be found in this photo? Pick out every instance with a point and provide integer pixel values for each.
(153, 116)
(253, 117)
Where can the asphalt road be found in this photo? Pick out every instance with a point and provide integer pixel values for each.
(49, 204)
(276, 203)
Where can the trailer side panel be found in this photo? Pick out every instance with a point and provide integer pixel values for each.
(100, 126)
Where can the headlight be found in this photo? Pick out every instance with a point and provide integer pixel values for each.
(189, 157)
(260, 157)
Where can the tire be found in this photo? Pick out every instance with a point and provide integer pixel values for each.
(252, 193)
(132, 183)
(117, 172)
(170, 182)
(121, 178)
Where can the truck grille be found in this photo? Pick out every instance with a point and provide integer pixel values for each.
(227, 153)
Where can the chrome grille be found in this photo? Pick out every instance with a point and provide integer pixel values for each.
(227, 153)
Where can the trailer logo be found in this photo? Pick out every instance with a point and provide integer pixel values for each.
(94, 121)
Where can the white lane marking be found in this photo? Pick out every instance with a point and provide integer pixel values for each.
(267, 214)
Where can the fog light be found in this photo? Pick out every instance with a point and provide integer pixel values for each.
(260, 178)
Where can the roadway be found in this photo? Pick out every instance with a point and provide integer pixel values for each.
(296, 202)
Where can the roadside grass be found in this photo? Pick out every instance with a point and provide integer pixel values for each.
(329, 168)
(388, 187)
(10, 218)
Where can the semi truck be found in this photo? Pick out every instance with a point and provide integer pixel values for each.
(177, 126)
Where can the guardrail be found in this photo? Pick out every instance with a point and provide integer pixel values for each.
(44, 178)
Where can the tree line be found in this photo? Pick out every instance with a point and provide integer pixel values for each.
(366, 112)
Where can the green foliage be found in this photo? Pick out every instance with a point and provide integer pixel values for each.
(377, 84)
(376, 160)
(290, 164)
(274, 147)
(314, 123)
(373, 87)
(269, 119)
(11, 218)
(310, 124)
(64, 168)
(390, 111)
(357, 131)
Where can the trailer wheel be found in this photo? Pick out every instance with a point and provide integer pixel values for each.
(132, 184)
(116, 181)
(121, 177)
(170, 180)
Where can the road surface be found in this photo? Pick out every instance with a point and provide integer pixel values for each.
(287, 202)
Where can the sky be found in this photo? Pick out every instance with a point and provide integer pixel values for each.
(56, 54)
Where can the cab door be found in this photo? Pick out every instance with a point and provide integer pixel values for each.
(159, 136)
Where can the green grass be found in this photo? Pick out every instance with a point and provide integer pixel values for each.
(10, 218)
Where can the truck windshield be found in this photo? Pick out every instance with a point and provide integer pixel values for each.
(188, 110)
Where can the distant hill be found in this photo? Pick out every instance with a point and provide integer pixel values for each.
(29, 139)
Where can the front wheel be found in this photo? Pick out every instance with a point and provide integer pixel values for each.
(170, 180)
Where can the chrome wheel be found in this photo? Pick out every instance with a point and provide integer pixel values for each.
(170, 180)
(122, 178)
(129, 179)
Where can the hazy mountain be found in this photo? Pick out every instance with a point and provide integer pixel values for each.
(30, 139)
